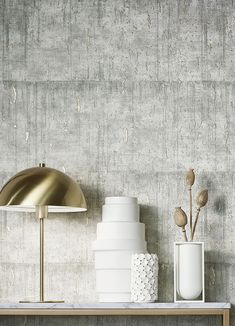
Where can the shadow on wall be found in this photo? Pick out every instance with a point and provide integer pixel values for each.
(219, 205)
(94, 200)
(149, 216)
(217, 278)
(219, 200)
(218, 282)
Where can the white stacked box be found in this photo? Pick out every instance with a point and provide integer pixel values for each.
(119, 235)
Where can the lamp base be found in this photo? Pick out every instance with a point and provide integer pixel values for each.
(44, 301)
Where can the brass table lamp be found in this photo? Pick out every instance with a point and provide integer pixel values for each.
(42, 190)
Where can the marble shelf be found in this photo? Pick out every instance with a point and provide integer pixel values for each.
(221, 309)
(120, 306)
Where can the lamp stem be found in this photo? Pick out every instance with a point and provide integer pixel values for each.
(41, 259)
(41, 213)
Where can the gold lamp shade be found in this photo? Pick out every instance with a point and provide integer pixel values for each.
(42, 190)
(42, 186)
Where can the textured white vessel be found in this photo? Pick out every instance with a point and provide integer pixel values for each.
(119, 235)
(144, 278)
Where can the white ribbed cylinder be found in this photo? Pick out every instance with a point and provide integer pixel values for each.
(144, 278)
(119, 235)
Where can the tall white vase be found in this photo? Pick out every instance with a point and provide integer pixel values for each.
(189, 271)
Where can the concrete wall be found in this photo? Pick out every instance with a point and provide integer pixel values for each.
(124, 96)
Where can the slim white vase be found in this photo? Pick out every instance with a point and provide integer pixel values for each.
(189, 271)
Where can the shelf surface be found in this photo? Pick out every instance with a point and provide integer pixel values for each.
(167, 305)
(121, 309)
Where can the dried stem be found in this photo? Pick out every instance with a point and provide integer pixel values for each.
(185, 235)
(191, 213)
(195, 223)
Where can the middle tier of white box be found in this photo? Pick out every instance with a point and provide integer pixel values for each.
(119, 235)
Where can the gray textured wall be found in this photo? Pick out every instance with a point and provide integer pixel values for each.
(123, 96)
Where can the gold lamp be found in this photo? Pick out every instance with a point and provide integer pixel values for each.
(42, 190)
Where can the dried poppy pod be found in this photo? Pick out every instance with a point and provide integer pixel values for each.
(190, 178)
(180, 217)
(202, 198)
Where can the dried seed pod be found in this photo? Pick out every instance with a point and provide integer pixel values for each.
(190, 178)
(202, 198)
(180, 217)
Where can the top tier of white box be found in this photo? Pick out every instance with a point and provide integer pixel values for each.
(119, 235)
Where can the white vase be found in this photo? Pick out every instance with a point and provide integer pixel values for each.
(144, 278)
(189, 271)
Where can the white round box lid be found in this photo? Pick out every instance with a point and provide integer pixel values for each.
(120, 200)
